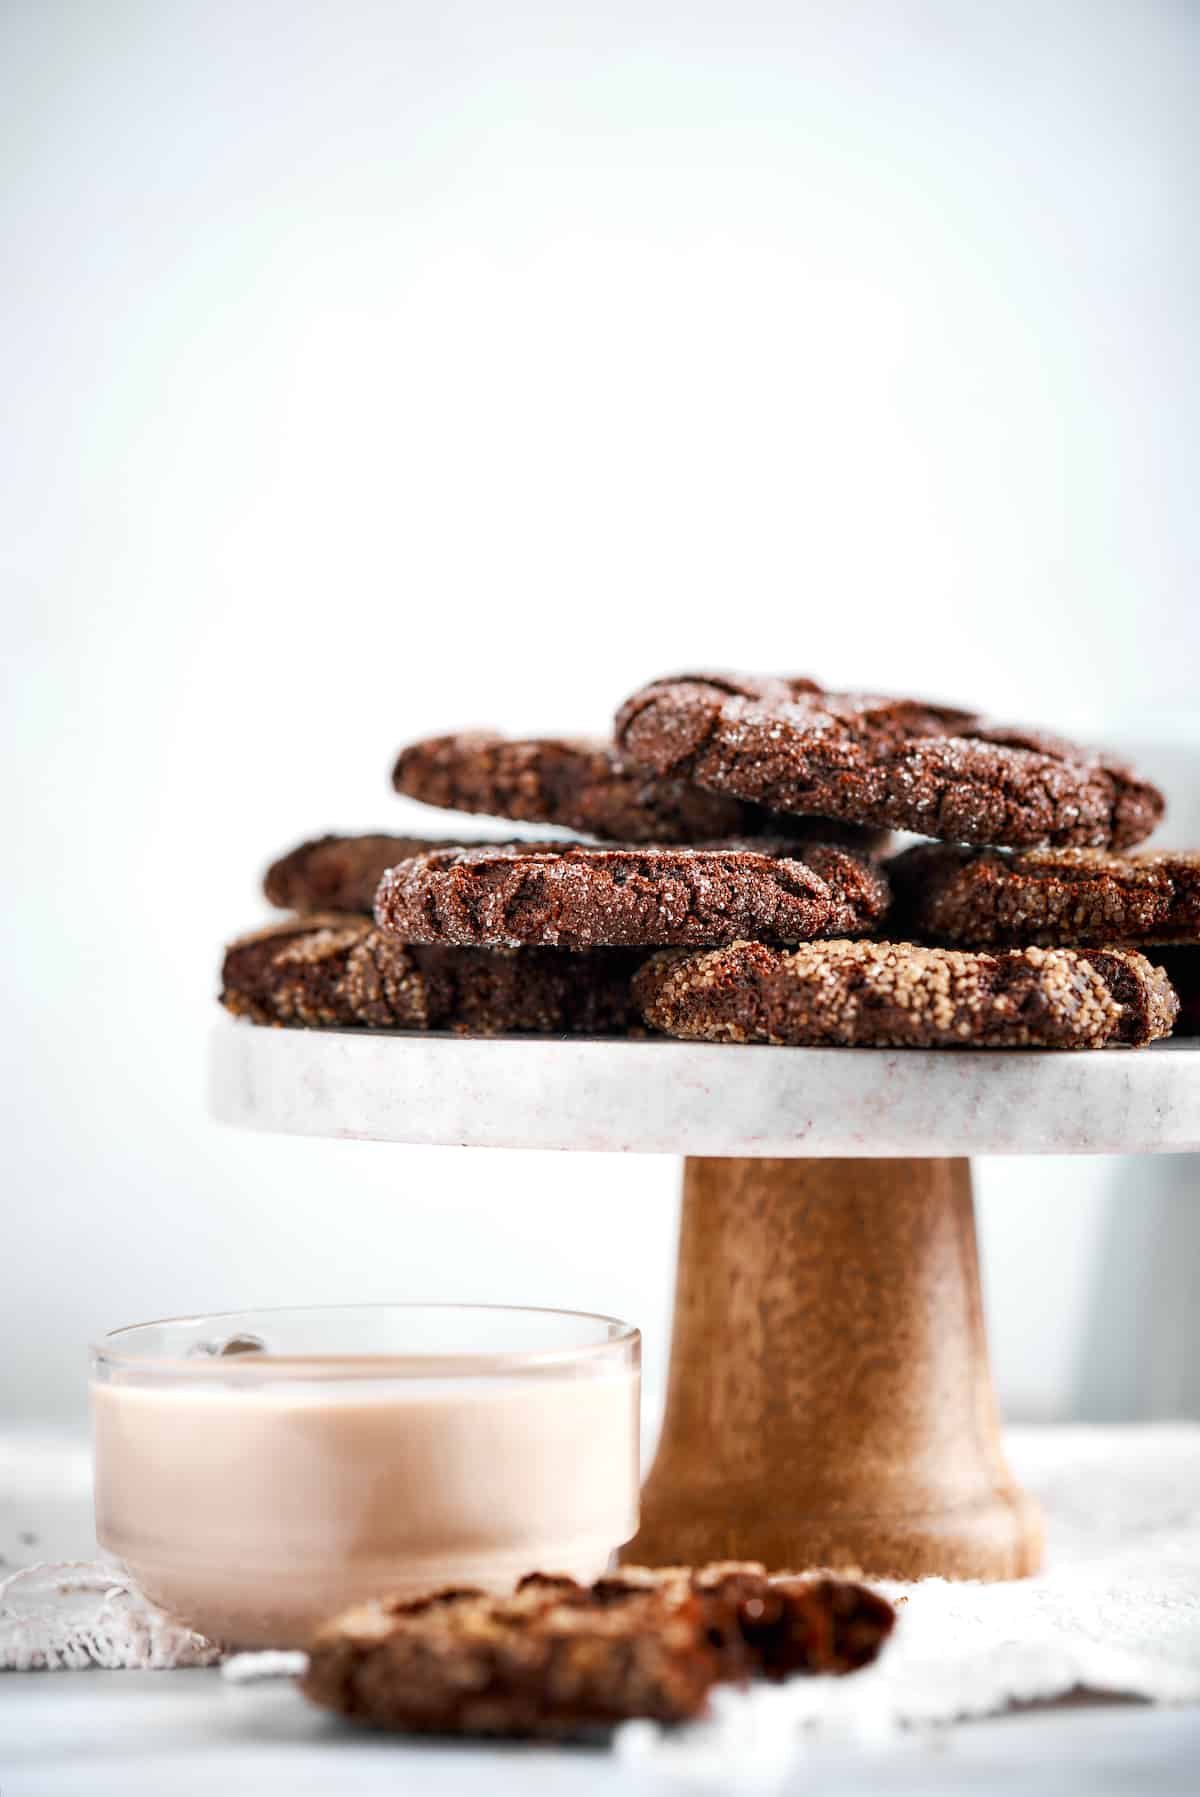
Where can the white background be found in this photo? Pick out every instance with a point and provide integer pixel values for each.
(371, 369)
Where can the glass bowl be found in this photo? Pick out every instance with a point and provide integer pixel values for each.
(258, 1471)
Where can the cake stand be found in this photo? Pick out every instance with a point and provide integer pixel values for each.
(830, 1400)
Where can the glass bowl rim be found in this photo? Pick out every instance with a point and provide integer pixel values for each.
(108, 1354)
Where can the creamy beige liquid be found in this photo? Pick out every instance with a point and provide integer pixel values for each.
(255, 1514)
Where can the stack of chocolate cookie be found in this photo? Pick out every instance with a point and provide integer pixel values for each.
(733, 887)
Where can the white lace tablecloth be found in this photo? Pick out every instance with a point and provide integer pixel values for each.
(1116, 1612)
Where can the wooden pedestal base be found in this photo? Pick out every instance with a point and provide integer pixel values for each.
(830, 1401)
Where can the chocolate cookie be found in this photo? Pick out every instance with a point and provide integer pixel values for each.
(898, 995)
(560, 1659)
(331, 972)
(579, 896)
(340, 873)
(941, 772)
(1068, 896)
(1182, 968)
(587, 786)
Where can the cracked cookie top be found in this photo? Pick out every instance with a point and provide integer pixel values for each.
(1068, 896)
(900, 995)
(943, 772)
(340, 972)
(583, 896)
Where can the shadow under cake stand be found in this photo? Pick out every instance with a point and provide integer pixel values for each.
(830, 1400)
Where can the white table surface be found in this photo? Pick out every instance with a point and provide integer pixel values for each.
(188, 1734)
(192, 1734)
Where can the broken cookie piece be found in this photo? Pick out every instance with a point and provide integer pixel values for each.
(559, 1659)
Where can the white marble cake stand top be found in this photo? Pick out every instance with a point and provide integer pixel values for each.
(660, 1097)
